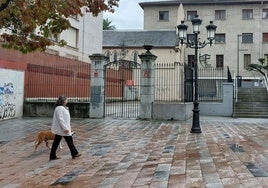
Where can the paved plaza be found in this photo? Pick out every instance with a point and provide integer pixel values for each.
(118, 153)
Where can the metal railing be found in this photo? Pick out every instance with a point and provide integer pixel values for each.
(170, 83)
(46, 83)
(211, 83)
(265, 81)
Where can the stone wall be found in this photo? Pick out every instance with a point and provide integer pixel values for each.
(224, 108)
(46, 109)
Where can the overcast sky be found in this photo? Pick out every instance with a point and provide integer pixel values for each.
(128, 16)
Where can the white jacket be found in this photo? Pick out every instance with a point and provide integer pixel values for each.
(61, 121)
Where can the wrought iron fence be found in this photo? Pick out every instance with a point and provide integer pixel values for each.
(46, 83)
(168, 83)
(211, 83)
(174, 83)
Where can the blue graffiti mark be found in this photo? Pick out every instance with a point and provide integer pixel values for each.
(2, 90)
(7, 89)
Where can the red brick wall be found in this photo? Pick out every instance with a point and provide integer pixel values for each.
(40, 81)
(35, 58)
(44, 78)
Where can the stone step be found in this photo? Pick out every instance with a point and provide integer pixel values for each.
(252, 102)
(263, 100)
(251, 115)
(251, 105)
(255, 111)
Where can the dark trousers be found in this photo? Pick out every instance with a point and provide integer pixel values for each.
(56, 142)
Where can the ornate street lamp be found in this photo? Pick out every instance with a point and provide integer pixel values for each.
(196, 44)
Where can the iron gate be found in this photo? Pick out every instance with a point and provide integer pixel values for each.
(188, 84)
(122, 89)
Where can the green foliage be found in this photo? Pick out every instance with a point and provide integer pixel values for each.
(107, 25)
(29, 25)
(260, 67)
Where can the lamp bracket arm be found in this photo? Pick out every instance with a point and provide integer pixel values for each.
(199, 44)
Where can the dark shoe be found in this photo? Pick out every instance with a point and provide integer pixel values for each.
(56, 158)
(77, 155)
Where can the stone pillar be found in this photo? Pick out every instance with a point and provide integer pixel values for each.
(147, 83)
(97, 85)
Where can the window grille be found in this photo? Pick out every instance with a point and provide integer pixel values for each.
(220, 14)
(219, 61)
(247, 38)
(247, 14)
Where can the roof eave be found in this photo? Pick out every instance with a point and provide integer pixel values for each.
(172, 3)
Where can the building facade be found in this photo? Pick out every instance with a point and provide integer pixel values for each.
(83, 38)
(18, 70)
(241, 35)
(129, 44)
(126, 46)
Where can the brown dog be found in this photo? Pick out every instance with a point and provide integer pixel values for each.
(44, 136)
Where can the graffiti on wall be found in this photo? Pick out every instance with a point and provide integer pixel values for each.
(7, 89)
(7, 102)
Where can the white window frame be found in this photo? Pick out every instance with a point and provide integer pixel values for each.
(72, 37)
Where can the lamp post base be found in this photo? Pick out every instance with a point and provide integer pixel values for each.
(196, 124)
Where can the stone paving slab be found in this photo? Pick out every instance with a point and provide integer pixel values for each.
(118, 153)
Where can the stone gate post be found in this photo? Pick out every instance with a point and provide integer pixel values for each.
(147, 83)
(97, 85)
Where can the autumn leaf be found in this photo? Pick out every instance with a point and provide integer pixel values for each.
(28, 25)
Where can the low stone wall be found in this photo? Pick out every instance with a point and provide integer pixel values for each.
(183, 111)
(46, 109)
(160, 111)
(224, 108)
(172, 111)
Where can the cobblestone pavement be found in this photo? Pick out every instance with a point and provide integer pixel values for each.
(138, 154)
